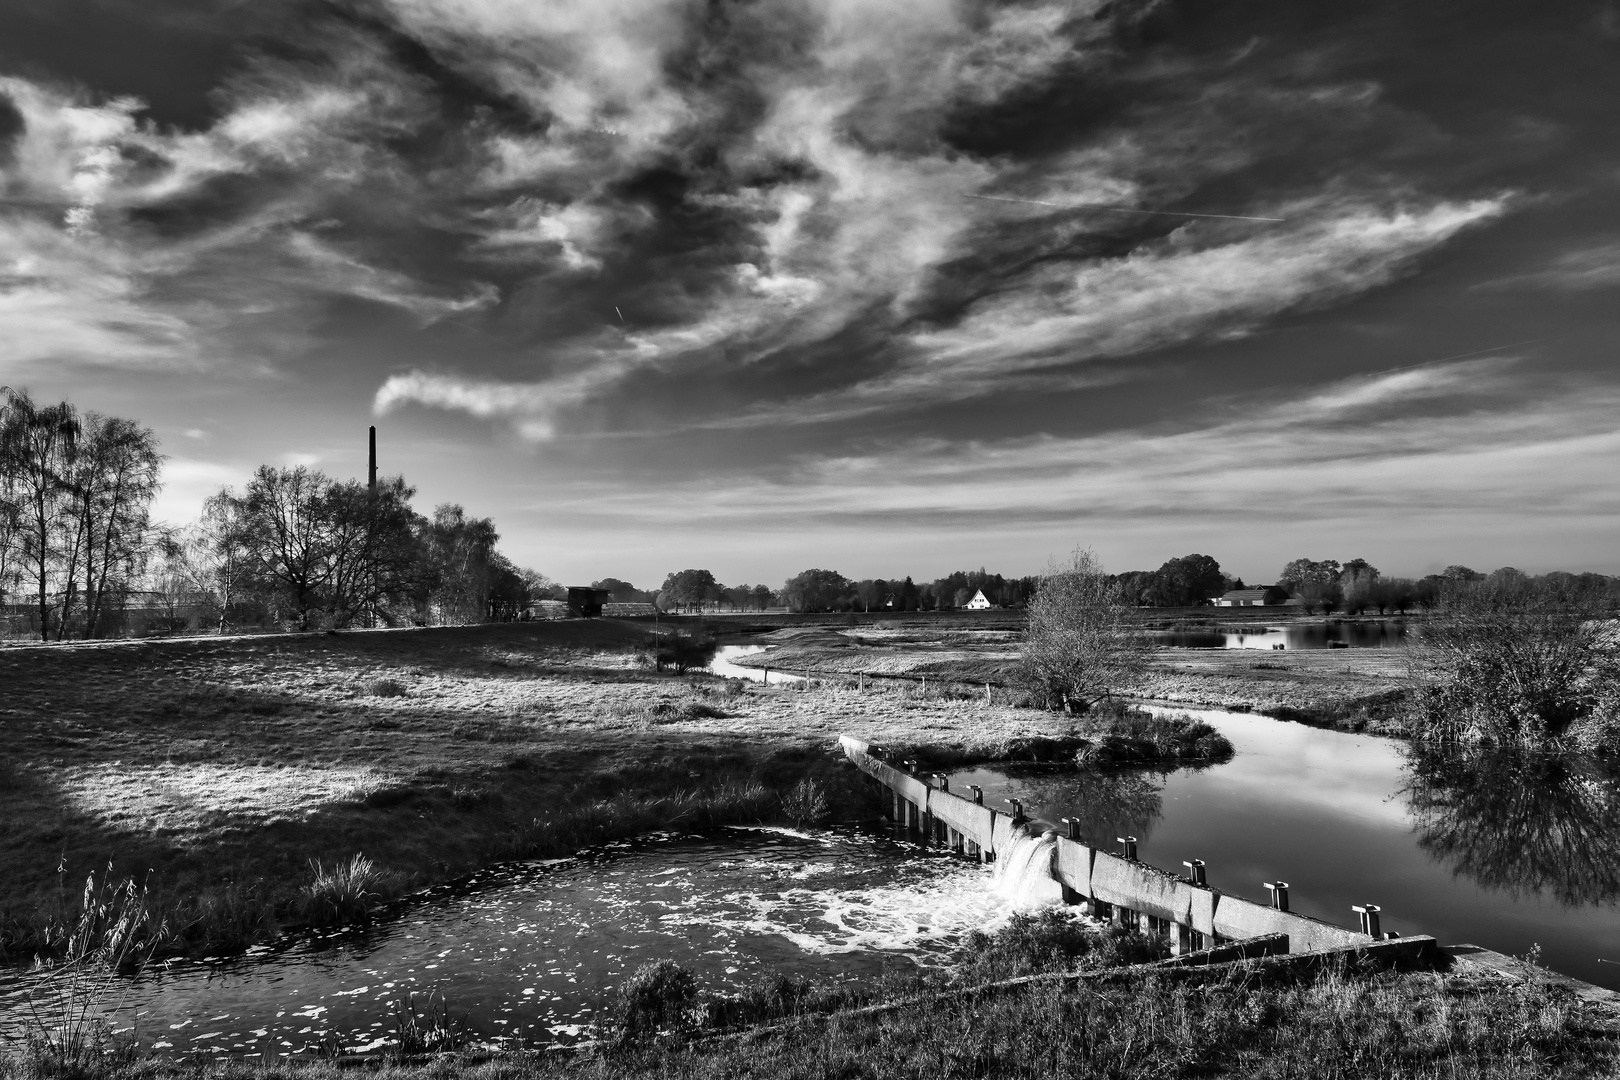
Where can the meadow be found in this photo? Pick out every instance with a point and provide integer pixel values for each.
(234, 776)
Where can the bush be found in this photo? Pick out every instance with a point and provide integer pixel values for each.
(1136, 736)
(1053, 940)
(806, 804)
(660, 996)
(684, 652)
(1508, 661)
(385, 688)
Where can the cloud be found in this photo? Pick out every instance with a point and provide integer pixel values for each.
(1474, 438)
(1593, 267)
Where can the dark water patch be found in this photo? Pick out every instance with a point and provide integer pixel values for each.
(1331, 634)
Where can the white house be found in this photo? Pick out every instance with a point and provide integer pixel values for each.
(979, 602)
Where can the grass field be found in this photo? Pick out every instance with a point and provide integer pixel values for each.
(1355, 689)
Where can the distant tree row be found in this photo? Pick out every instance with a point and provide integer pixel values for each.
(1318, 585)
(1356, 586)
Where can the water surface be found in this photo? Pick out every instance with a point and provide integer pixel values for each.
(1374, 634)
(722, 665)
(531, 952)
(1495, 851)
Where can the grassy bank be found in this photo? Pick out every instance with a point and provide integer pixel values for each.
(1117, 735)
(1138, 1022)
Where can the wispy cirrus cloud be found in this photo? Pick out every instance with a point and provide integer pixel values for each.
(1477, 438)
(1595, 266)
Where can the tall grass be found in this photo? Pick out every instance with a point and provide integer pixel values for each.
(589, 822)
(66, 1032)
(345, 893)
(423, 1024)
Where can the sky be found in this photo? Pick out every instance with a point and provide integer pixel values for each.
(887, 288)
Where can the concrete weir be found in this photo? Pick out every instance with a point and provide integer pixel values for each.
(1131, 893)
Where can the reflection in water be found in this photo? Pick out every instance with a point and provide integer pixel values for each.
(1329, 634)
(1520, 823)
(1108, 802)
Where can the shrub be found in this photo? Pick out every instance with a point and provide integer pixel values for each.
(385, 688)
(1136, 736)
(684, 652)
(660, 996)
(1508, 661)
(806, 804)
(1052, 940)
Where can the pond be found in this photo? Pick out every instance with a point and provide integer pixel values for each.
(531, 952)
(1500, 851)
(1336, 634)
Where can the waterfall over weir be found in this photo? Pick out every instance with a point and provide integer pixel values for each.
(1024, 873)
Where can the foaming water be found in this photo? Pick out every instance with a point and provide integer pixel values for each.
(532, 952)
(1024, 874)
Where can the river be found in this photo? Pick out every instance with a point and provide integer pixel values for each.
(1501, 851)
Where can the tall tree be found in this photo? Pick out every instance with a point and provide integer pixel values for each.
(214, 555)
(687, 588)
(374, 548)
(113, 479)
(461, 550)
(37, 445)
(1079, 646)
(290, 534)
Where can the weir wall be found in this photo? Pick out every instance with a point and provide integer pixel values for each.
(1132, 893)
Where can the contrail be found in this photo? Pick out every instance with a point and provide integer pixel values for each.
(619, 313)
(1123, 209)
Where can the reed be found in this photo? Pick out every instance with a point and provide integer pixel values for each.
(66, 1035)
(344, 893)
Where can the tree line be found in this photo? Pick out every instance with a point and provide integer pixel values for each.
(1314, 585)
(823, 591)
(1502, 659)
(81, 557)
